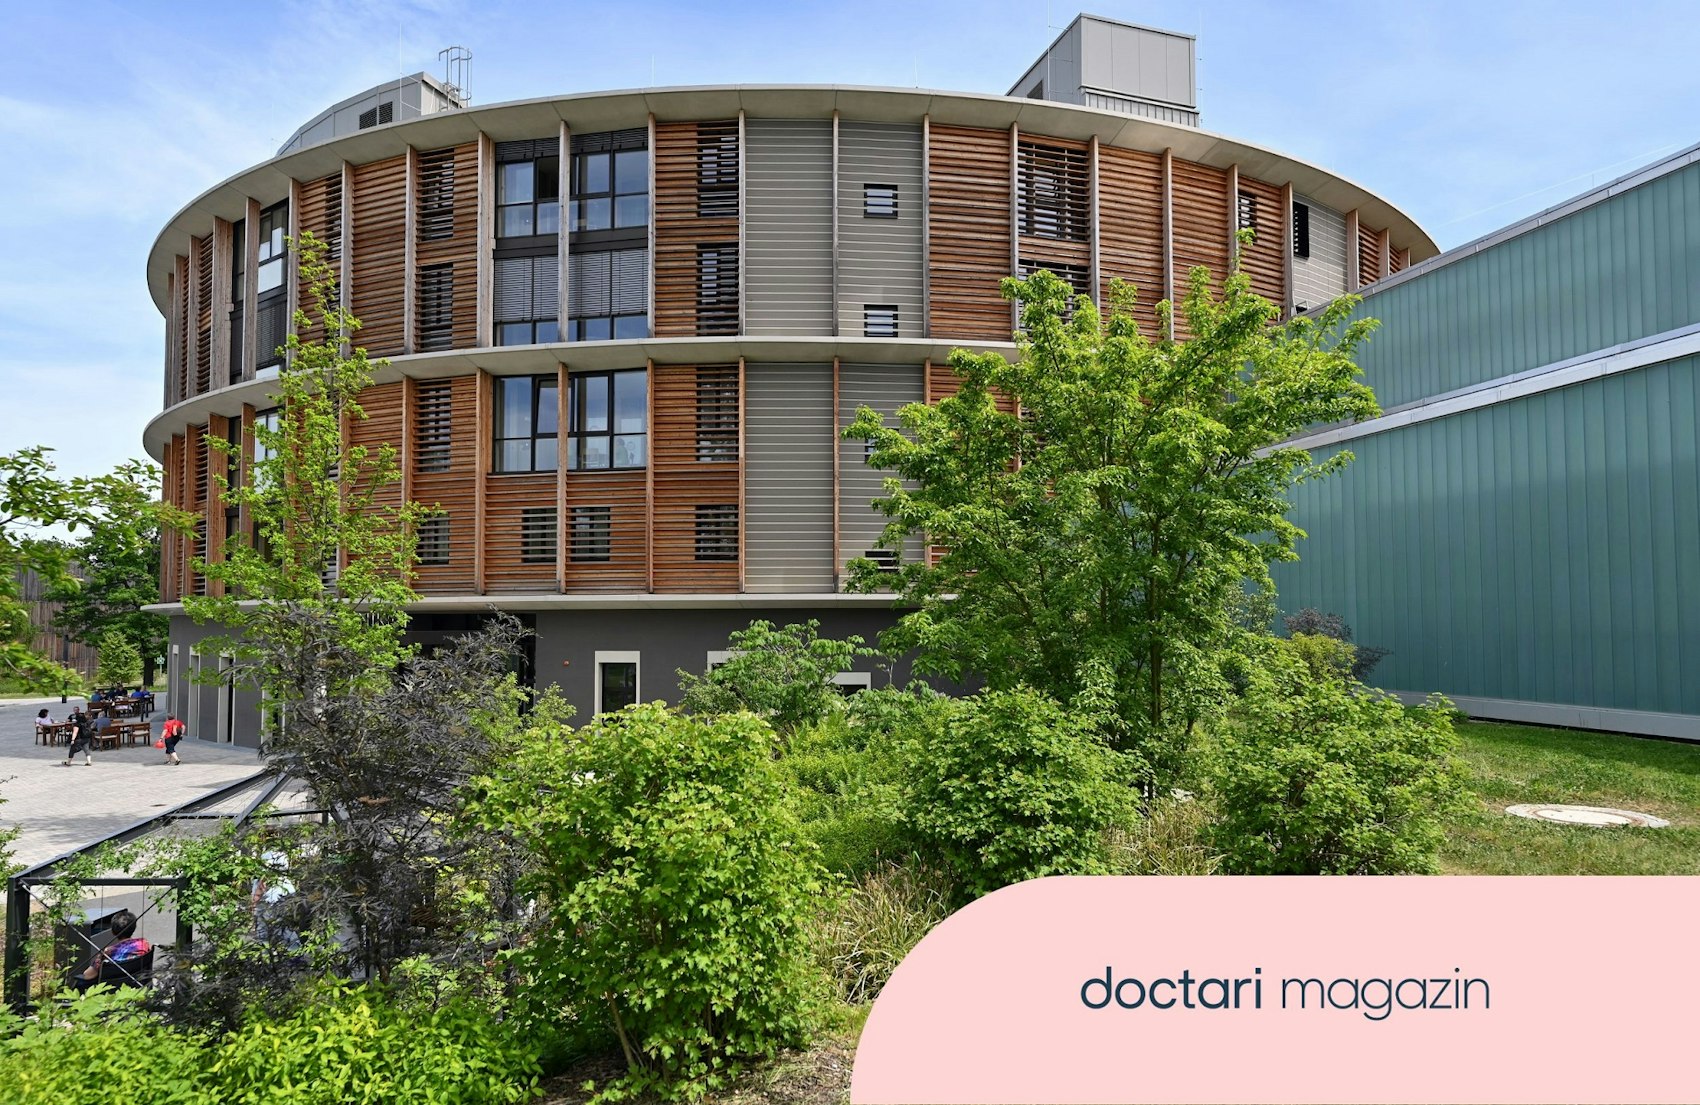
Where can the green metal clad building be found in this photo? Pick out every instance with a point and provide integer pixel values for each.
(1522, 525)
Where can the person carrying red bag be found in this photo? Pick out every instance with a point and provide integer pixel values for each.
(172, 733)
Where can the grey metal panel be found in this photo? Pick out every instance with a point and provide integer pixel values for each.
(885, 388)
(788, 440)
(788, 226)
(1545, 549)
(1321, 277)
(880, 260)
(1163, 112)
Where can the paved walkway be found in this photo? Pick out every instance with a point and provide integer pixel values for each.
(61, 808)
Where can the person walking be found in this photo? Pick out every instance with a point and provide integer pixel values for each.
(82, 738)
(173, 733)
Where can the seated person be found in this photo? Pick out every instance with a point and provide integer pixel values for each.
(120, 962)
(42, 721)
(138, 694)
(98, 696)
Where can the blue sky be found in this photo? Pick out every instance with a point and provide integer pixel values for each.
(113, 116)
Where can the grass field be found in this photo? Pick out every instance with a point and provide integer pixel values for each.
(1511, 764)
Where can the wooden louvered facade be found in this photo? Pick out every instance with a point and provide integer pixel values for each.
(969, 227)
(695, 456)
(441, 470)
(446, 249)
(1199, 216)
(320, 213)
(377, 261)
(697, 181)
(1368, 255)
(1130, 228)
(1260, 207)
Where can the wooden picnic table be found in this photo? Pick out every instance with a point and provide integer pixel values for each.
(133, 732)
(57, 733)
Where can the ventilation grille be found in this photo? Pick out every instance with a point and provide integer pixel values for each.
(590, 543)
(537, 535)
(433, 438)
(377, 116)
(528, 149)
(433, 547)
(717, 169)
(203, 315)
(717, 532)
(717, 289)
(436, 307)
(1077, 277)
(1054, 193)
(717, 412)
(879, 320)
(879, 201)
(436, 195)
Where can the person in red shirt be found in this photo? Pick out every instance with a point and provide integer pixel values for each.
(173, 732)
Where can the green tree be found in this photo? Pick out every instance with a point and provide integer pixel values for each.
(116, 549)
(329, 571)
(783, 675)
(1112, 524)
(675, 893)
(119, 662)
(32, 499)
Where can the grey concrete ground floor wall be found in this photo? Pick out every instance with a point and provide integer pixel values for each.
(566, 651)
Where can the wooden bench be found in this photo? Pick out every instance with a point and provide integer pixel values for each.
(133, 732)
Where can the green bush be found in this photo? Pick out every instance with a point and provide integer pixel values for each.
(845, 782)
(677, 890)
(356, 1046)
(1324, 776)
(98, 1050)
(1173, 838)
(864, 935)
(1324, 657)
(782, 675)
(1008, 785)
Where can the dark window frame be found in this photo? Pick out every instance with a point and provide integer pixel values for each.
(875, 320)
(541, 444)
(540, 208)
(577, 437)
(1301, 230)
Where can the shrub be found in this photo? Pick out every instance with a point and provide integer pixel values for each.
(357, 1046)
(1312, 622)
(865, 934)
(1173, 838)
(676, 889)
(1324, 776)
(783, 675)
(1007, 785)
(845, 780)
(97, 1050)
(1324, 657)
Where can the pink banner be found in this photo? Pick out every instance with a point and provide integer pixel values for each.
(1180, 990)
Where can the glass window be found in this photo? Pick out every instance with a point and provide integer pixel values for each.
(274, 222)
(617, 684)
(610, 190)
(526, 423)
(608, 420)
(528, 198)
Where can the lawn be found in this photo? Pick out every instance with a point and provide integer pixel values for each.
(1511, 764)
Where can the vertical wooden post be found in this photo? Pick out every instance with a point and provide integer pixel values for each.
(1233, 218)
(410, 255)
(223, 246)
(1094, 262)
(345, 247)
(1289, 296)
(563, 380)
(486, 245)
(1014, 219)
(1384, 245)
(191, 346)
(481, 404)
(649, 479)
(291, 269)
(1354, 263)
(1169, 235)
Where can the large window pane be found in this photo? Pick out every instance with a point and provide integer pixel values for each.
(593, 214)
(631, 171)
(595, 452)
(629, 451)
(631, 211)
(595, 405)
(270, 276)
(548, 409)
(513, 333)
(513, 407)
(631, 326)
(619, 686)
(517, 183)
(593, 174)
(548, 218)
(544, 455)
(631, 402)
(548, 330)
(515, 456)
(518, 221)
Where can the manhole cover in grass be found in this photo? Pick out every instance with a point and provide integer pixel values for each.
(1597, 816)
